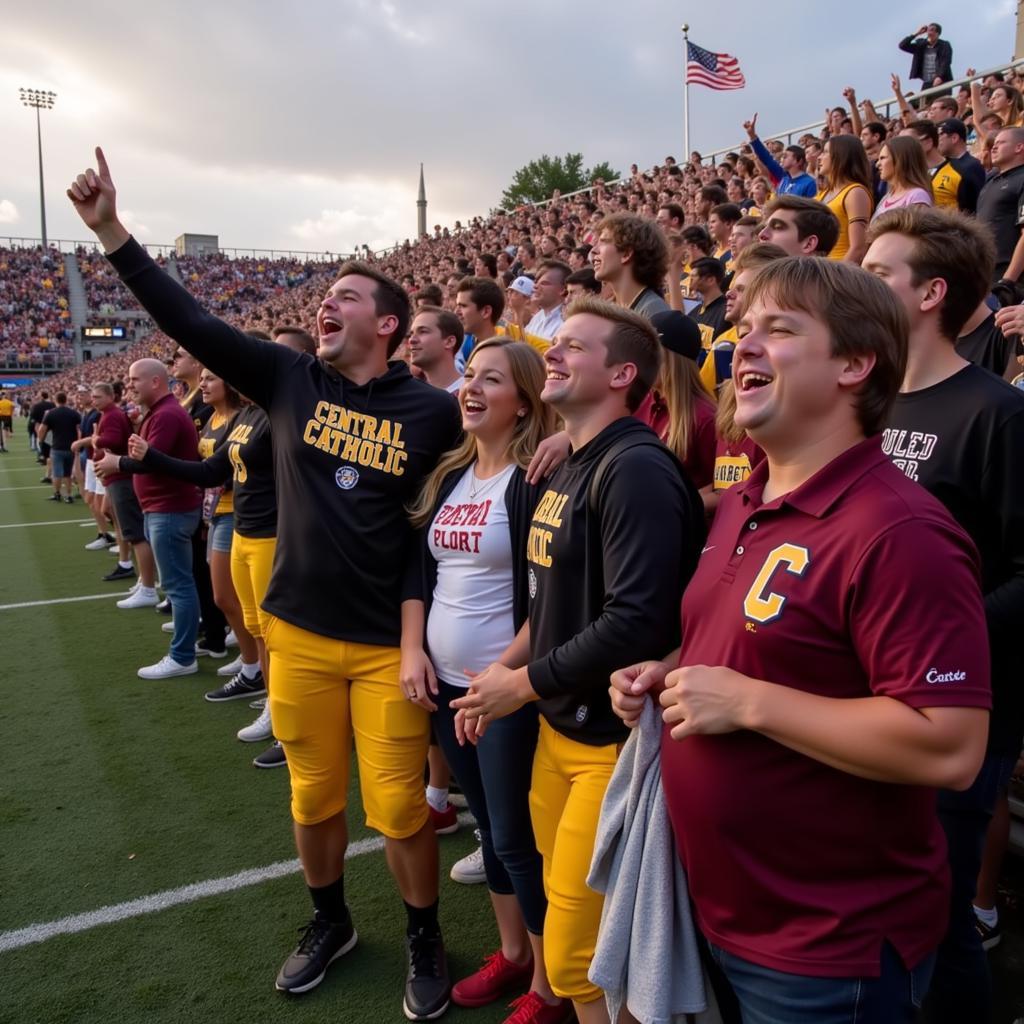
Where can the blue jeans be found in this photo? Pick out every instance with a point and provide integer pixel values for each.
(962, 989)
(752, 994)
(495, 780)
(170, 536)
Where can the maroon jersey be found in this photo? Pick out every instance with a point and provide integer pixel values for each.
(857, 583)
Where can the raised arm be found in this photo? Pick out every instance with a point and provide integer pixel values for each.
(851, 98)
(907, 112)
(246, 363)
(211, 472)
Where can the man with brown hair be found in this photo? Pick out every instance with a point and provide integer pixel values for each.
(801, 226)
(434, 340)
(600, 590)
(958, 430)
(354, 435)
(479, 303)
(631, 255)
(817, 670)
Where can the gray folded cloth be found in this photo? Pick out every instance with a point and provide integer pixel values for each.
(647, 955)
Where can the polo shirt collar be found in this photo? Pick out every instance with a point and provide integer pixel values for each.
(816, 496)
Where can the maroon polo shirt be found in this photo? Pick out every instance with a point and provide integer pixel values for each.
(169, 429)
(857, 583)
(111, 435)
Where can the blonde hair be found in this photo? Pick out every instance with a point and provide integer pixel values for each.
(528, 374)
(682, 389)
(725, 417)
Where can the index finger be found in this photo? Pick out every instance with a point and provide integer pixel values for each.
(101, 162)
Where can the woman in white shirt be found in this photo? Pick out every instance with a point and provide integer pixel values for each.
(464, 611)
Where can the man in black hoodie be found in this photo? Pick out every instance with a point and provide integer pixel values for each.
(606, 573)
(353, 438)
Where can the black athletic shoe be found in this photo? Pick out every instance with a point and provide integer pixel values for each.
(164, 607)
(53, 497)
(427, 985)
(120, 573)
(204, 648)
(238, 687)
(68, 500)
(320, 945)
(45, 480)
(272, 757)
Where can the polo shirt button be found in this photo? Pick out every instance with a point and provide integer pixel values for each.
(739, 550)
(752, 526)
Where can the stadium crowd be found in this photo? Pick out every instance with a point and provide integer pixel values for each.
(731, 387)
(34, 317)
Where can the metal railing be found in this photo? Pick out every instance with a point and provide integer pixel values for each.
(790, 133)
(69, 245)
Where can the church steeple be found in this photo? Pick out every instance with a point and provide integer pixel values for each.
(421, 208)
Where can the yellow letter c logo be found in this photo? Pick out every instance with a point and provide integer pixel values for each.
(761, 604)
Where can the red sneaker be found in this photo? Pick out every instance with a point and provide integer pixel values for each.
(531, 1009)
(445, 822)
(496, 976)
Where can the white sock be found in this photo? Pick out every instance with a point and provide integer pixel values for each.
(125, 565)
(437, 798)
(989, 918)
(250, 671)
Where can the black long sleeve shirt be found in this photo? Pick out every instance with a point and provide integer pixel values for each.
(347, 460)
(247, 459)
(608, 562)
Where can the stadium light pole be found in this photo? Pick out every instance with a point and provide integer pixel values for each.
(40, 99)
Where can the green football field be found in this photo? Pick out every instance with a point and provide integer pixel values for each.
(146, 869)
(115, 789)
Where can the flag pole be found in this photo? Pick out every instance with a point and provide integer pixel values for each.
(686, 95)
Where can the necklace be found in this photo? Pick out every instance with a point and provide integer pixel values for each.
(477, 486)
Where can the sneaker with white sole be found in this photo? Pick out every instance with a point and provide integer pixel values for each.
(238, 687)
(98, 544)
(259, 704)
(231, 668)
(230, 640)
(470, 870)
(167, 627)
(140, 598)
(259, 730)
(167, 668)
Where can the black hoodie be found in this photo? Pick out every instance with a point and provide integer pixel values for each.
(347, 460)
(614, 540)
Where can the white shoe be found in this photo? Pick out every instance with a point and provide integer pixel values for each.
(231, 668)
(140, 598)
(167, 667)
(259, 730)
(470, 870)
(167, 627)
(231, 640)
(115, 548)
(98, 544)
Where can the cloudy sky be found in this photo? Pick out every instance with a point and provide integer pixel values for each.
(302, 126)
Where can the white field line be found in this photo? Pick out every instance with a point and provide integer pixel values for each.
(63, 600)
(35, 933)
(31, 487)
(49, 522)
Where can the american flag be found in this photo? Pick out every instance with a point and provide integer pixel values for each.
(715, 70)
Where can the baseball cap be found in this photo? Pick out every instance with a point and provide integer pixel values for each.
(523, 285)
(678, 332)
(953, 126)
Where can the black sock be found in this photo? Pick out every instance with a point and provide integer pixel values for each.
(329, 900)
(422, 919)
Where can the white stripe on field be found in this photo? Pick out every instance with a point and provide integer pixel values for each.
(62, 600)
(35, 933)
(31, 487)
(49, 522)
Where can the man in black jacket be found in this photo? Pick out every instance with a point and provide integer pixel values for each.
(354, 435)
(932, 57)
(606, 574)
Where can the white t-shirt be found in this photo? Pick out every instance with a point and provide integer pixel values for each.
(470, 621)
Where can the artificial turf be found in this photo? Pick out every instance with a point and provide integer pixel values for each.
(115, 788)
